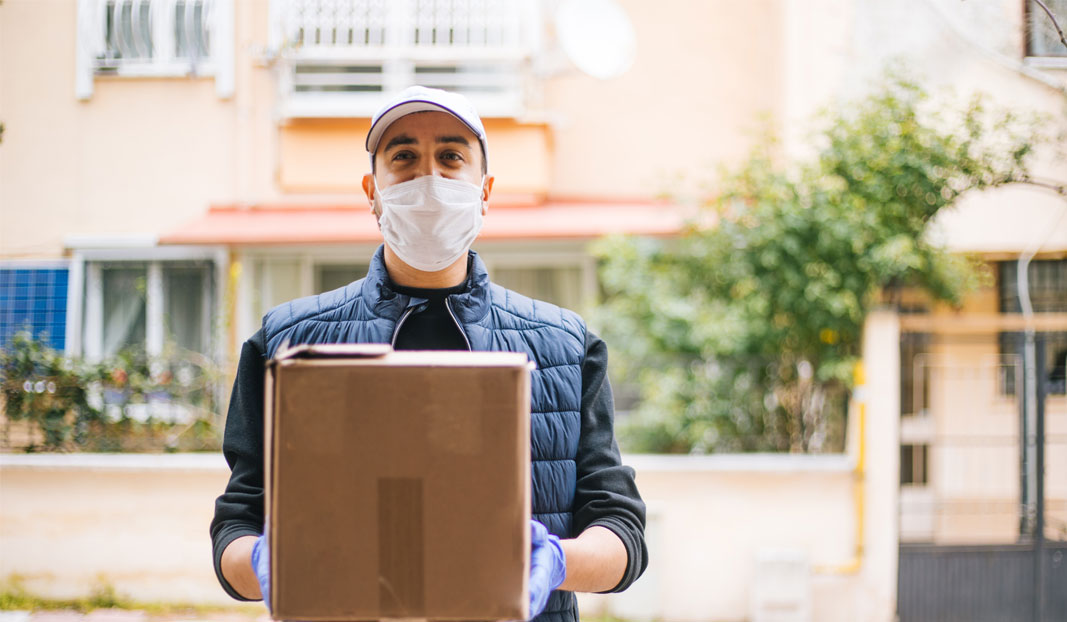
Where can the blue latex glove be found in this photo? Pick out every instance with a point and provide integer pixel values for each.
(261, 564)
(548, 566)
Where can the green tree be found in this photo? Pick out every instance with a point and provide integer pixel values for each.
(742, 334)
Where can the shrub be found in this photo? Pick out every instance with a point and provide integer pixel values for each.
(130, 402)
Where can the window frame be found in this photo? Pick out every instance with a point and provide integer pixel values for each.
(919, 469)
(92, 34)
(85, 290)
(1041, 273)
(1043, 61)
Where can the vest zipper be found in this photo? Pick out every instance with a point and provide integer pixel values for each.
(448, 305)
(399, 323)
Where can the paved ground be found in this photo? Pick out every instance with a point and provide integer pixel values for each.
(126, 615)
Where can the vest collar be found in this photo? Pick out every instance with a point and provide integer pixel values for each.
(470, 306)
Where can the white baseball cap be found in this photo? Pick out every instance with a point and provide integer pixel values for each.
(422, 99)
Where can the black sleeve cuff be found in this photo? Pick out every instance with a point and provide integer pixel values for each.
(223, 539)
(636, 555)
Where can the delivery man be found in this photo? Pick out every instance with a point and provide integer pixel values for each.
(429, 188)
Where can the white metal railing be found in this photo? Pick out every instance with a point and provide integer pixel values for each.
(154, 38)
(414, 29)
(338, 57)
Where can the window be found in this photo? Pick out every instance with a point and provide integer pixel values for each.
(560, 285)
(332, 276)
(1048, 286)
(34, 297)
(280, 279)
(160, 302)
(914, 463)
(914, 374)
(338, 58)
(187, 299)
(1055, 363)
(154, 306)
(1041, 36)
(1048, 294)
(124, 294)
(139, 38)
(274, 281)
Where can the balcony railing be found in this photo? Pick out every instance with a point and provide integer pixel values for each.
(155, 38)
(337, 57)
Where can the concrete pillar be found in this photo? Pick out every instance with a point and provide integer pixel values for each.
(881, 359)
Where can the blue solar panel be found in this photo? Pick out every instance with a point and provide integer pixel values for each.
(35, 299)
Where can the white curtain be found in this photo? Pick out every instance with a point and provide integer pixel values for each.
(187, 290)
(124, 308)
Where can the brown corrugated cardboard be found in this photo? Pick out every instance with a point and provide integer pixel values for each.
(398, 484)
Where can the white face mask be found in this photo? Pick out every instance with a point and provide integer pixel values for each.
(430, 221)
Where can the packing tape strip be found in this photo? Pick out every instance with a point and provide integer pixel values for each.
(401, 565)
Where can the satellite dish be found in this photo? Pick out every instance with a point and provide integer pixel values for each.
(597, 36)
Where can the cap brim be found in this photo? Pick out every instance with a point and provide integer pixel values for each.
(403, 109)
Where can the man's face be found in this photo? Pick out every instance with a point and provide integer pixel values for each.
(427, 143)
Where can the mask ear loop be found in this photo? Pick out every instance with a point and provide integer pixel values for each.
(377, 196)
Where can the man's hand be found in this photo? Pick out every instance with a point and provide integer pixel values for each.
(548, 566)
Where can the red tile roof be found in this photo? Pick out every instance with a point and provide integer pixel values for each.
(515, 220)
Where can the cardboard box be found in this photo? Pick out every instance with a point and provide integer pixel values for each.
(398, 484)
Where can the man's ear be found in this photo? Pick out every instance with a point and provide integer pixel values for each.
(368, 188)
(487, 189)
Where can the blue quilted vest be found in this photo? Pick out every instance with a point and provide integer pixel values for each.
(492, 319)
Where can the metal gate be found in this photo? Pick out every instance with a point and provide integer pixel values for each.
(945, 583)
(980, 538)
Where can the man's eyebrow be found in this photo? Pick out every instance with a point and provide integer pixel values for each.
(454, 139)
(400, 139)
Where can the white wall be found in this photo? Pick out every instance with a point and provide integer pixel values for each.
(140, 523)
(711, 516)
(69, 522)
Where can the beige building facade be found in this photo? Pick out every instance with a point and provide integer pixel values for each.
(131, 121)
(965, 478)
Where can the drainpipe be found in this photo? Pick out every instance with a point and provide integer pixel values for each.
(1029, 423)
(230, 307)
(1033, 423)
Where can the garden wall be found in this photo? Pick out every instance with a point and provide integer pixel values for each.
(69, 523)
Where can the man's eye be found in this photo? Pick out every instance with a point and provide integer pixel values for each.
(451, 155)
(403, 155)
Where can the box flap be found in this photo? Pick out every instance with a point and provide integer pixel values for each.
(333, 350)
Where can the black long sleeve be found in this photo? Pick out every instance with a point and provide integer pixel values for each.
(239, 510)
(606, 494)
